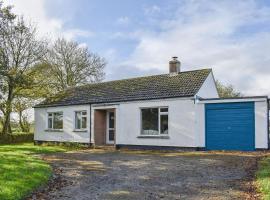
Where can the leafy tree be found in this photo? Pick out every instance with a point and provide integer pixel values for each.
(20, 105)
(226, 91)
(68, 64)
(19, 52)
(30, 70)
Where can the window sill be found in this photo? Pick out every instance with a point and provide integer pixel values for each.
(80, 130)
(154, 136)
(54, 130)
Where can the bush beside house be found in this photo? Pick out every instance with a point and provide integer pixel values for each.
(16, 138)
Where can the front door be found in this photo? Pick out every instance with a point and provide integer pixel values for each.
(110, 127)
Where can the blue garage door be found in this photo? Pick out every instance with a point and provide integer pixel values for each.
(230, 126)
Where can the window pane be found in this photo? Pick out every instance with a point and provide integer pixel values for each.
(111, 135)
(150, 121)
(58, 121)
(49, 122)
(84, 119)
(163, 109)
(111, 119)
(84, 113)
(77, 120)
(164, 124)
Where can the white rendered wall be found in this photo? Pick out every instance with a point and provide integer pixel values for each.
(68, 134)
(208, 89)
(200, 124)
(186, 123)
(181, 123)
(261, 125)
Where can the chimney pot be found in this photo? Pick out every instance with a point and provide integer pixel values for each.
(174, 65)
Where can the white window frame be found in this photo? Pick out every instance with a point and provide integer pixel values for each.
(159, 114)
(75, 120)
(108, 127)
(52, 117)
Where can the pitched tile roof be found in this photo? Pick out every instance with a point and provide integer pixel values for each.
(183, 84)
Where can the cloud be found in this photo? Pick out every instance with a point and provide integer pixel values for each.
(154, 9)
(35, 11)
(125, 35)
(228, 36)
(74, 33)
(123, 20)
(52, 27)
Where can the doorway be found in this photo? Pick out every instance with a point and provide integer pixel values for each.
(110, 133)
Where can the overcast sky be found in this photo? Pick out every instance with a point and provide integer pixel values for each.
(139, 37)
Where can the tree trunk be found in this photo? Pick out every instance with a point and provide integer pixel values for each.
(6, 125)
(22, 124)
(9, 128)
(20, 120)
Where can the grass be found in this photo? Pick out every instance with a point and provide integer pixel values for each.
(263, 178)
(21, 171)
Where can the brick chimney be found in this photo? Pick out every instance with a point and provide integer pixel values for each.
(174, 65)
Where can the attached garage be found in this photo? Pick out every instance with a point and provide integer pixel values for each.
(233, 123)
(230, 126)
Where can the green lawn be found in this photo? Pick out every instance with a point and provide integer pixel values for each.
(21, 171)
(263, 177)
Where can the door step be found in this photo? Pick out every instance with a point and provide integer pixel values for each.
(105, 147)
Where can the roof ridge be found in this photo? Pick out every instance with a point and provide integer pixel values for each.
(134, 78)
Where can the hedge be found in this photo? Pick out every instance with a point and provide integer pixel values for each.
(16, 138)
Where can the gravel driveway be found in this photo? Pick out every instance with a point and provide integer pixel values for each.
(99, 174)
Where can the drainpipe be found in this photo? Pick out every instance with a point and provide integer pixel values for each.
(268, 128)
(90, 119)
(197, 99)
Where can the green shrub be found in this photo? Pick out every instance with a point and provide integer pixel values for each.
(67, 145)
(16, 137)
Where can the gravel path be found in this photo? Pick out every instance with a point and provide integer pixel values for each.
(97, 174)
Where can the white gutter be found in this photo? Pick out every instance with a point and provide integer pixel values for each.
(232, 100)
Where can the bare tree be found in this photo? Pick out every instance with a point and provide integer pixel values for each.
(69, 64)
(19, 52)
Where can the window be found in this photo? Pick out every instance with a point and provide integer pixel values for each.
(80, 120)
(55, 120)
(154, 121)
